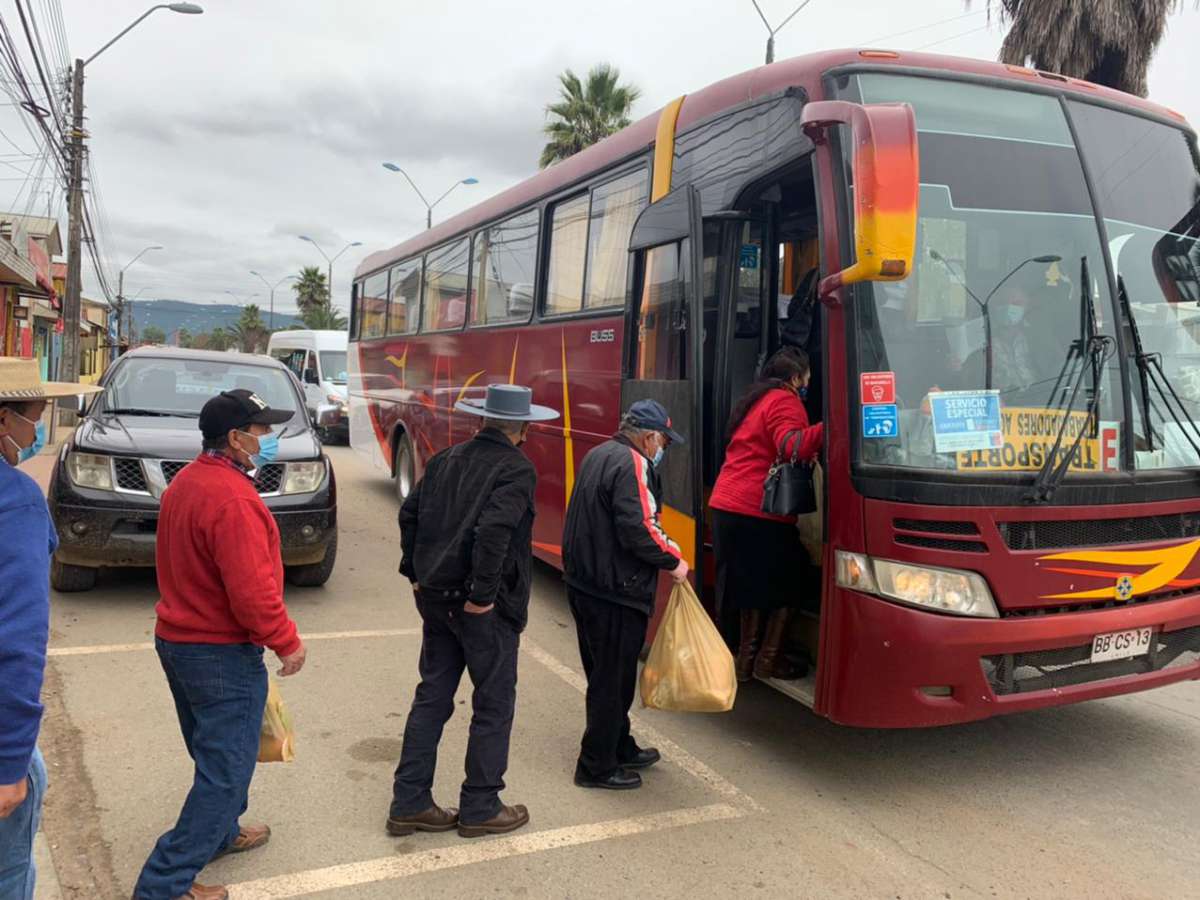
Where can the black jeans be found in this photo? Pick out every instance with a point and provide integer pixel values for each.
(610, 639)
(485, 645)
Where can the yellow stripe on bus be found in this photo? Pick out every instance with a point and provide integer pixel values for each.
(664, 149)
(568, 444)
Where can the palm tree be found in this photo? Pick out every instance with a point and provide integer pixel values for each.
(324, 318)
(218, 339)
(1108, 42)
(311, 288)
(250, 332)
(585, 114)
(152, 334)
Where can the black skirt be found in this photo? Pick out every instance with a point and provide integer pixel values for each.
(761, 564)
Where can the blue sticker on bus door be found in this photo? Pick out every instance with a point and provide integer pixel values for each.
(748, 256)
(881, 420)
(965, 420)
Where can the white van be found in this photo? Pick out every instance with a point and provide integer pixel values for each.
(318, 359)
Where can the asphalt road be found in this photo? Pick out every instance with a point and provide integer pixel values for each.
(1097, 799)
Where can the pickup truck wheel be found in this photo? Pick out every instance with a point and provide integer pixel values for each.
(315, 574)
(68, 579)
(405, 468)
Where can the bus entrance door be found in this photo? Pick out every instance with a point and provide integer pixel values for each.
(662, 351)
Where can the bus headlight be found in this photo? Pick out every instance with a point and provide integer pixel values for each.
(943, 590)
(303, 477)
(90, 470)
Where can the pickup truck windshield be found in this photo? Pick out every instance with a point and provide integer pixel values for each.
(182, 386)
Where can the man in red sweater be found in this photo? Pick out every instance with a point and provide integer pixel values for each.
(220, 574)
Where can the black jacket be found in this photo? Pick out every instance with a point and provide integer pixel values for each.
(613, 542)
(466, 530)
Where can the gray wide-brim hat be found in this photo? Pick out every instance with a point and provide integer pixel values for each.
(21, 379)
(510, 402)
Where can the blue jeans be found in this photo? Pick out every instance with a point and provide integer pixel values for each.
(220, 692)
(16, 837)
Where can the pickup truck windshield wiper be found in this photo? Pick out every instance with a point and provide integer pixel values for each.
(139, 411)
(1150, 372)
(1093, 350)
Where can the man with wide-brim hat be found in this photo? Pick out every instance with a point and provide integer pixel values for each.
(466, 535)
(27, 541)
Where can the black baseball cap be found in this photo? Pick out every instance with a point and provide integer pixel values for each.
(652, 415)
(236, 409)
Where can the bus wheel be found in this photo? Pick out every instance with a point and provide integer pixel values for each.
(405, 466)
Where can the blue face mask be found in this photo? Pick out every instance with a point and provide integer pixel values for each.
(24, 454)
(1015, 314)
(268, 450)
(658, 457)
(803, 392)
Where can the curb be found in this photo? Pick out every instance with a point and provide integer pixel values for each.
(47, 886)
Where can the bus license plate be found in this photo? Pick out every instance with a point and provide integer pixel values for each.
(1121, 644)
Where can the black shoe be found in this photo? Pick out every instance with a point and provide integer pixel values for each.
(644, 759)
(619, 780)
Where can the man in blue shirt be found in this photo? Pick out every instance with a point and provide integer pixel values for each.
(27, 539)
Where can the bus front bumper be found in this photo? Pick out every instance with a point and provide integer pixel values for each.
(892, 666)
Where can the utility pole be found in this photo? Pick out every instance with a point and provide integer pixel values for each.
(69, 366)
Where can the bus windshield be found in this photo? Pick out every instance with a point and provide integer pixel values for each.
(1002, 344)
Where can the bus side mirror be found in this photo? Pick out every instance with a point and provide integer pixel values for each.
(885, 170)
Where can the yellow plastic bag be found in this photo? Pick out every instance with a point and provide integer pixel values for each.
(689, 668)
(276, 741)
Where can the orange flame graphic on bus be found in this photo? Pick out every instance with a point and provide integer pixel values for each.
(1165, 564)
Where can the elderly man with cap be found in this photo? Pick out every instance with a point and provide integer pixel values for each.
(220, 576)
(614, 547)
(27, 541)
(466, 534)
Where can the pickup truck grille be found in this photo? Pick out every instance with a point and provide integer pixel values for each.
(131, 476)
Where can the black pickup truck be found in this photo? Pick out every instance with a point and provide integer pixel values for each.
(139, 434)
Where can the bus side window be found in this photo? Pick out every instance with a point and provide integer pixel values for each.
(661, 348)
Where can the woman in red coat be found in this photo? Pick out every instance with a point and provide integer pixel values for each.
(756, 552)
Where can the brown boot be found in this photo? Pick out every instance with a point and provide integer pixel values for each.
(748, 644)
(433, 819)
(250, 837)
(770, 662)
(205, 892)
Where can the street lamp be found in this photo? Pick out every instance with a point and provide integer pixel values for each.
(272, 288)
(392, 167)
(771, 32)
(74, 140)
(240, 299)
(305, 237)
(121, 290)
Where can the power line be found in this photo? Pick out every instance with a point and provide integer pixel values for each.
(953, 37)
(958, 18)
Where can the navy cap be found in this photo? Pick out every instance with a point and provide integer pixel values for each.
(652, 415)
(231, 410)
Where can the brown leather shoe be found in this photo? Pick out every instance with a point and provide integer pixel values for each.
(433, 819)
(205, 892)
(250, 837)
(510, 818)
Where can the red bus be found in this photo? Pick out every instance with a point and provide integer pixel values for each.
(1006, 349)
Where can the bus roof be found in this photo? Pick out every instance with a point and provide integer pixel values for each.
(801, 71)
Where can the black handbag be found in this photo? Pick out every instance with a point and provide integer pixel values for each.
(788, 489)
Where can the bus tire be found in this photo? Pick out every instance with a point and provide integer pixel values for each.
(68, 579)
(315, 574)
(405, 467)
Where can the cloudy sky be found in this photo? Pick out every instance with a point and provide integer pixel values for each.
(225, 136)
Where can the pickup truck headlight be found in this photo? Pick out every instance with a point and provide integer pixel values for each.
(303, 477)
(89, 470)
(954, 591)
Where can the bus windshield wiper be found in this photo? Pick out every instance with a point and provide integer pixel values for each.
(1150, 372)
(1093, 350)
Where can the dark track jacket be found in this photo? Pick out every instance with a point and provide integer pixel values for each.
(613, 543)
(466, 530)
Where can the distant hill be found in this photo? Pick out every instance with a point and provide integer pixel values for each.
(197, 318)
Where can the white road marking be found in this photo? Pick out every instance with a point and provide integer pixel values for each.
(671, 751)
(387, 868)
(319, 636)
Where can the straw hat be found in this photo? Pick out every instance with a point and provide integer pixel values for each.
(20, 379)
